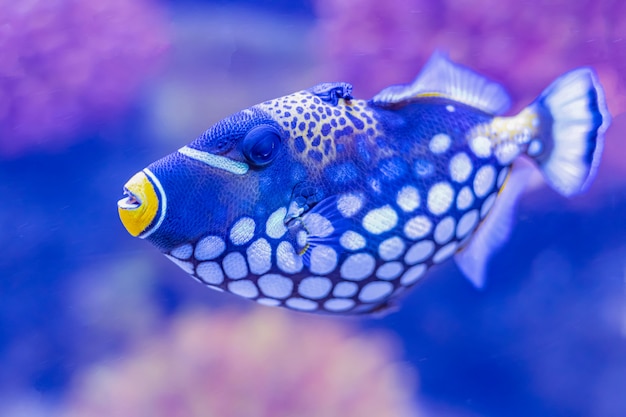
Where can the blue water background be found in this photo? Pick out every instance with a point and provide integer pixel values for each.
(546, 337)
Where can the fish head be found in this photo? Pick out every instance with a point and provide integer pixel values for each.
(251, 163)
(240, 167)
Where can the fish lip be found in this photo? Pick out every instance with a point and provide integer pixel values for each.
(130, 201)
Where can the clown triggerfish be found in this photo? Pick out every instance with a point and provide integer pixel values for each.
(320, 202)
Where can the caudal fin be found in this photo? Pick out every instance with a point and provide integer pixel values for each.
(573, 118)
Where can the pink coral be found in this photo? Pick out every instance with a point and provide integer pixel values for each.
(264, 363)
(524, 45)
(67, 63)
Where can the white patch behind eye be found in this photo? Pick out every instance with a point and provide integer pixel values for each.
(215, 161)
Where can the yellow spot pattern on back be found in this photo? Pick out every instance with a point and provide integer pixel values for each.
(320, 130)
(503, 132)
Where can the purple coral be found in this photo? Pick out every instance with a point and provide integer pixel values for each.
(524, 45)
(67, 63)
(263, 363)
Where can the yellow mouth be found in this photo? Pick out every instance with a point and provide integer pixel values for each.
(140, 206)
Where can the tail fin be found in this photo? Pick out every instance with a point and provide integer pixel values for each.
(573, 118)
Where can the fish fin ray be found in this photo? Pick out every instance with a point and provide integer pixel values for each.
(495, 229)
(573, 118)
(323, 224)
(442, 77)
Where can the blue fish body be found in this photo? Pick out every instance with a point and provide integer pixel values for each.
(320, 202)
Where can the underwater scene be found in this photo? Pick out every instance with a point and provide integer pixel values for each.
(400, 208)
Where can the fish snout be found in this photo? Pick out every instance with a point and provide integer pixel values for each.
(140, 205)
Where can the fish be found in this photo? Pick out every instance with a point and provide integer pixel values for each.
(320, 202)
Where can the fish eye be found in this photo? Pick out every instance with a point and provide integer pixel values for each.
(261, 145)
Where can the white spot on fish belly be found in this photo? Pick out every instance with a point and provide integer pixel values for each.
(349, 205)
(390, 270)
(244, 288)
(487, 205)
(444, 230)
(275, 285)
(357, 267)
(259, 256)
(270, 302)
(440, 197)
(235, 265)
(408, 198)
(210, 273)
(413, 274)
(335, 304)
(465, 198)
(351, 240)
(439, 143)
(184, 265)
(460, 167)
(380, 220)
(419, 252)
(391, 248)
(183, 251)
(375, 291)
(323, 260)
(484, 180)
(345, 289)
(275, 227)
(467, 223)
(301, 304)
(481, 146)
(417, 227)
(242, 231)
(445, 252)
(502, 176)
(315, 287)
(287, 259)
(209, 247)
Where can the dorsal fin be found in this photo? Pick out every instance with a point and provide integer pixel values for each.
(442, 77)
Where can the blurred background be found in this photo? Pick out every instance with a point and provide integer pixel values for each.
(96, 323)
